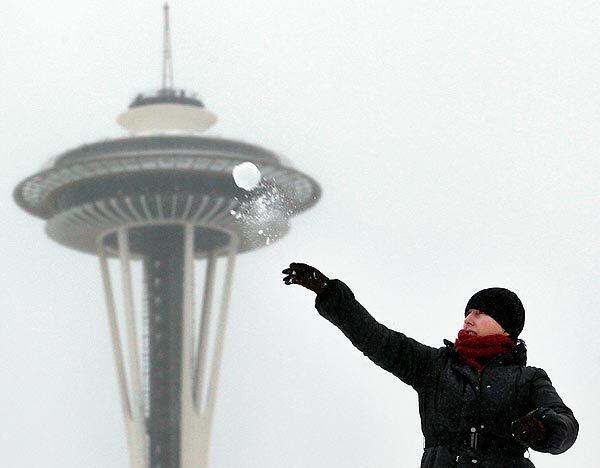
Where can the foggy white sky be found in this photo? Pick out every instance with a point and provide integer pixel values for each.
(457, 147)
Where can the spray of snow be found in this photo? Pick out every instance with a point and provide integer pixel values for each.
(246, 175)
(263, 211)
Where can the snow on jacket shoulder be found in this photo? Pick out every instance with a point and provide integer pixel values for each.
(466, 416)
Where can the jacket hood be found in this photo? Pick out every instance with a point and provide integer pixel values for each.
(517, 356)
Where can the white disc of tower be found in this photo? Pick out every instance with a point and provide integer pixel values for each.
(166, 118)
(246, 175)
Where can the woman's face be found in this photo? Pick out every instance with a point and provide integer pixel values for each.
(481, 324)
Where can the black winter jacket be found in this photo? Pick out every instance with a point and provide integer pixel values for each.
(465, 415)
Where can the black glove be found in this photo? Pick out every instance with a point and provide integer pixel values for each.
(529, 428)
(305, 275)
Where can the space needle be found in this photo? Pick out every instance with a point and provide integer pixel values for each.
(161, 210)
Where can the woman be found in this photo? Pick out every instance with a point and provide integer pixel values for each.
(480, 405)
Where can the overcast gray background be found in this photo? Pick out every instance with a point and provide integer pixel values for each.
(457, 147)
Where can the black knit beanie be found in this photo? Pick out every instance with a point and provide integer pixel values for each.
(503, 306)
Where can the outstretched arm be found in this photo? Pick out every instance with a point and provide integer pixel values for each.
(393, 351)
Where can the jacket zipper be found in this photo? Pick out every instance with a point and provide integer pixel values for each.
(475, 433)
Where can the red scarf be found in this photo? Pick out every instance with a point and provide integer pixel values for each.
(476, 350)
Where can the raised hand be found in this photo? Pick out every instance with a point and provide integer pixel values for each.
(305, 275)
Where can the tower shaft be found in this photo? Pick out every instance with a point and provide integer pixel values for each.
(168, 417)
(163, 277)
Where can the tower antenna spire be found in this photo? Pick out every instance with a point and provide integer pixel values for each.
(167, 72)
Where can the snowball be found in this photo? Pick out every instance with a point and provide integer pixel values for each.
(246, 175)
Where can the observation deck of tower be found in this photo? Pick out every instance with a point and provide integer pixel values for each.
(163, 197)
